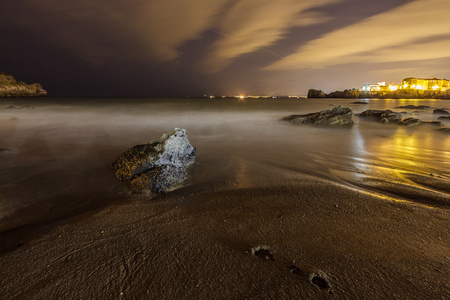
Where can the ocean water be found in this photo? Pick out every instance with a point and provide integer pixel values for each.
(55, 156)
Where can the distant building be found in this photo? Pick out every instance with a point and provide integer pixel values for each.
(379, 87)
(425, 84)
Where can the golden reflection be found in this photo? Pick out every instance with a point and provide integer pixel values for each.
(400, 164)
(242, 176)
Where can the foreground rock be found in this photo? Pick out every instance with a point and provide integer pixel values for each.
(383, 116)
(157, 166)
(9, 87)
(340, 116)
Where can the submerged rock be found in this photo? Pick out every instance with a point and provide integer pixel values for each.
(19, 107)
(410, 122)
(360, 102)
(414, 106)
(383, 116)
(339, 115)
(446, 130)
(444, 118)
(157, 166)
(441, 111)
(414, 122)
(435, 123)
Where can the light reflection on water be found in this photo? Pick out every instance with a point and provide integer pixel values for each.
(403, 163)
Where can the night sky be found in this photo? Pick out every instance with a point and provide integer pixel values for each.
(144, 48)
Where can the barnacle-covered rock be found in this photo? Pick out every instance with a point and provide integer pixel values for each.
(157, 166)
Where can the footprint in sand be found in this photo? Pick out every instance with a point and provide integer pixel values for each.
(262, 252)
(319, 279)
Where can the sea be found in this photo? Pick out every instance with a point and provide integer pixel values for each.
(56, 152)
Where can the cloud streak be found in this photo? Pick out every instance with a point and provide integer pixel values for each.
(419, 30)
(142, 30)
(250, 25)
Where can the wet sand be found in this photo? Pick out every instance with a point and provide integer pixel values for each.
(197, 245)
(373, 224)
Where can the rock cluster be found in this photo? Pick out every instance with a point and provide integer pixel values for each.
(343, 116)
(340, 115)
(157, 166)
(9, 87)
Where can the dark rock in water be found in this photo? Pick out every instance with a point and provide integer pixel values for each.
(444, 118)
(157, 166)
(360, 102)
(441, 111)
(446, 130)
(339, 115)
(414, 106)
(410, 122)
(312, 93)
(383, 116)
(435, 123)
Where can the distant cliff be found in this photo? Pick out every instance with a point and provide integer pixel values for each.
(399, 94)
(9, 87)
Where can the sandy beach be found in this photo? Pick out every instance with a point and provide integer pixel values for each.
(360, 213)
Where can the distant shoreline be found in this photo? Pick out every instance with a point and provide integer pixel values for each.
(399, 94)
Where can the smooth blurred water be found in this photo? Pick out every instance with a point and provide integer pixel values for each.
(59, 152)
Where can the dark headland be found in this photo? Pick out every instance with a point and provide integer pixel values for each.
(11, 88)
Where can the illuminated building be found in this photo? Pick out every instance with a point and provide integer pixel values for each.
(379, 87)
(425, 84)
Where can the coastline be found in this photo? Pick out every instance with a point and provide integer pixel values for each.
(398, 94)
